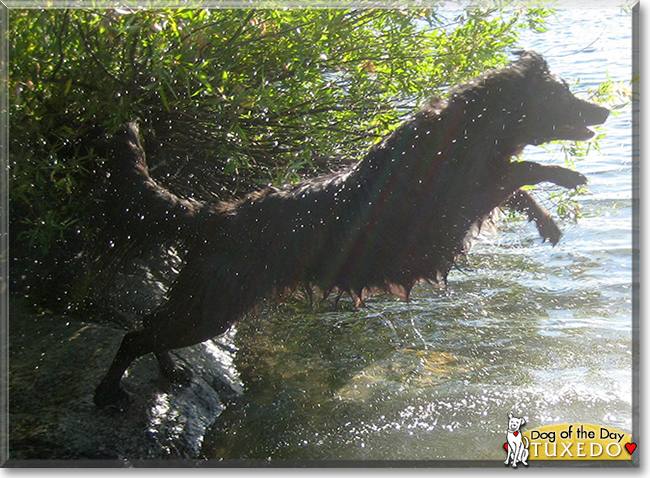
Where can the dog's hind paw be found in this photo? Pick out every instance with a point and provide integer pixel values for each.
(172, 371)
(111, 398)
(179, 375)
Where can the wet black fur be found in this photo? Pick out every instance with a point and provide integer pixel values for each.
(399, 216)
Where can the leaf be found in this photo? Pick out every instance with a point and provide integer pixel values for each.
(163, 97)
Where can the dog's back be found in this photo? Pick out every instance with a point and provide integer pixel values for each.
(399, 216)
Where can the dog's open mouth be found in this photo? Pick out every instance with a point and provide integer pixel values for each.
(580, 130)
(584, 115)
(576, 133)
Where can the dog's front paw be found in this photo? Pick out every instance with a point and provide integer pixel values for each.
(570, 179)
(548, 230)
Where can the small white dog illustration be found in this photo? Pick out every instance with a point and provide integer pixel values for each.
(517, 450)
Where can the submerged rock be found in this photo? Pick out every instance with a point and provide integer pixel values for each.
(55, 364)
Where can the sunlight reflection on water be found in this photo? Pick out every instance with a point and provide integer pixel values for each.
(524, 327)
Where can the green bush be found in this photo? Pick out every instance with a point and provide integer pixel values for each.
(228, 100)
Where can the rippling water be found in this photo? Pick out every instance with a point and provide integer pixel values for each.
(544, 332)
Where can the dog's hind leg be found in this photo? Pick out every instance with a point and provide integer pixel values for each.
(109, 392)
(172, 371)
(522, 201)
(524, 457)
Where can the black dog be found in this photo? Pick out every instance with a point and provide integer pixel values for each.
(399, 216)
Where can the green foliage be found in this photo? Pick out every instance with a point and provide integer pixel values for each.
(228, 99)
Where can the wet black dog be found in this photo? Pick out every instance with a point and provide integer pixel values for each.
(399, 216)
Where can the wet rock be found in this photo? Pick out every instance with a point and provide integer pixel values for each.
(124, 297)
(55, 364)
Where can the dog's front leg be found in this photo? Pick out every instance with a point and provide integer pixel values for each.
(517, 457)
(526, 173)
(521, 201)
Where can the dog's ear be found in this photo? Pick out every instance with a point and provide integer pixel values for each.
(433, 104)
(509, 415)
(523, 421)
(530, 62)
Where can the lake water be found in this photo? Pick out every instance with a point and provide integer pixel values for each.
(541, 331)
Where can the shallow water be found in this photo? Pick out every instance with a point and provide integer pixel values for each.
(541, 331)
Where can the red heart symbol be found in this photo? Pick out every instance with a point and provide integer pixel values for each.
(505, 445)
(516, 433)
(630, 447)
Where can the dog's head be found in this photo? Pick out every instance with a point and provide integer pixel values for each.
(548, 111)
(515, 423)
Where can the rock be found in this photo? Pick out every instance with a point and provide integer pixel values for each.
(55, 364)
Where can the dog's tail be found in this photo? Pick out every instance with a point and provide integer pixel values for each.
(140, 213)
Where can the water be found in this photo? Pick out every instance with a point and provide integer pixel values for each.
(540, 331)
